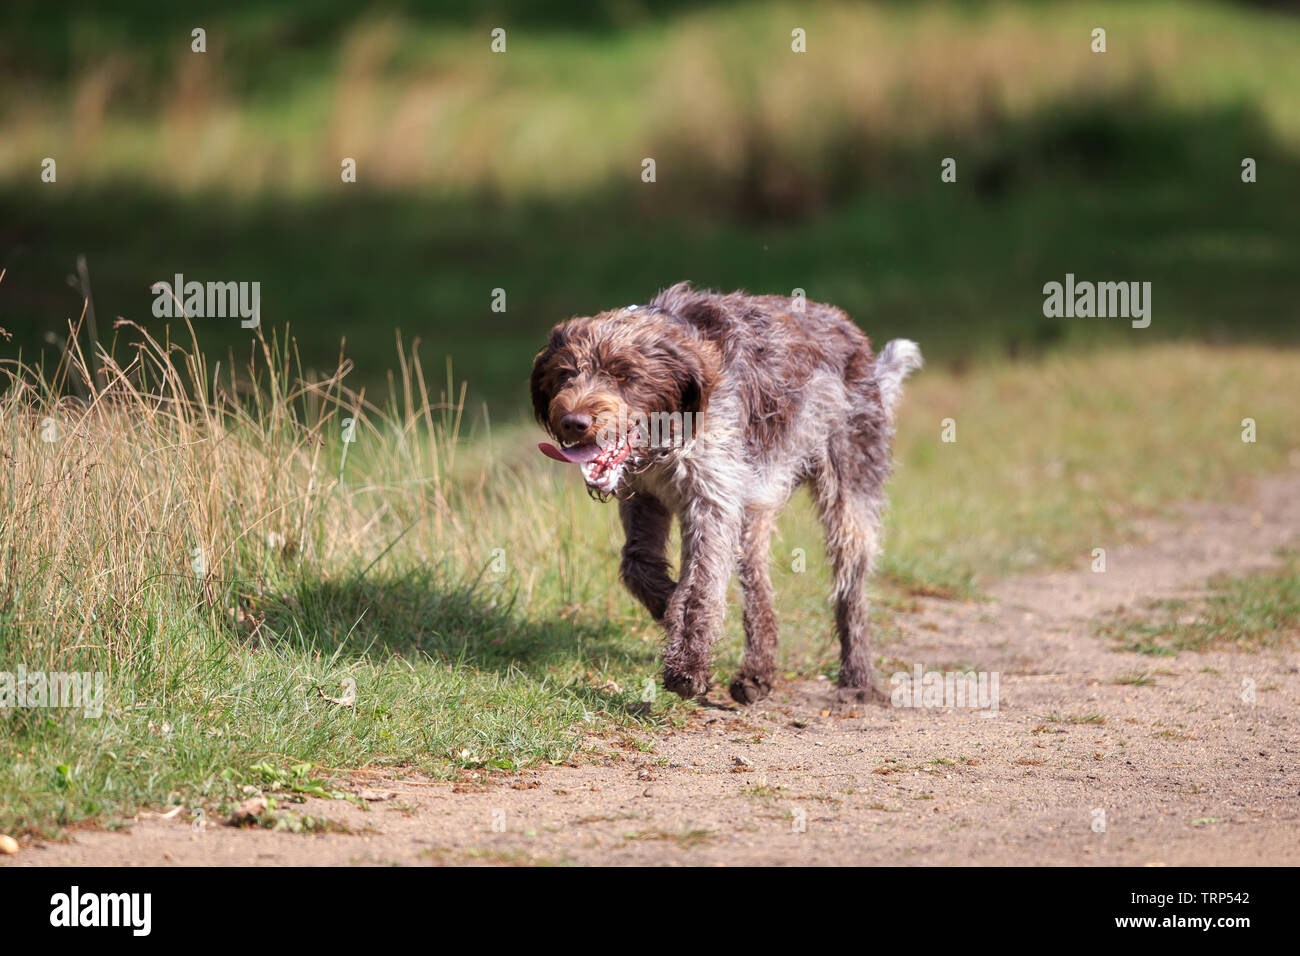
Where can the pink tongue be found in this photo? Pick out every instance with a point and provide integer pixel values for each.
(578, 455)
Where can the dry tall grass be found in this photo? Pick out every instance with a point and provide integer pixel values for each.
(155, 485)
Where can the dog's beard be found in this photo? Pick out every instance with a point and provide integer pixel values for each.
(604, 472)
(603, 463)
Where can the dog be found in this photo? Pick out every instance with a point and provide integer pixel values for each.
(714, 408)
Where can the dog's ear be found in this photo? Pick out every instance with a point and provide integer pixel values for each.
(694, 369)
(542, 381)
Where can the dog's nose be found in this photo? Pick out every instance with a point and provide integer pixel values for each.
(574, 425)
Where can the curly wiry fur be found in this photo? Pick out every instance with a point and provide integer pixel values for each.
(785, 392)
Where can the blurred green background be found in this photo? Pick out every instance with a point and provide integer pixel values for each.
(522, 170)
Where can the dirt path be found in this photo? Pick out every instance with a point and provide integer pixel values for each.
(1182, 771)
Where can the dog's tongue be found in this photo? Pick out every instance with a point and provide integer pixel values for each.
(578, 455)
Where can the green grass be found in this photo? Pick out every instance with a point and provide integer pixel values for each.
(225, 705)
(1250, 613)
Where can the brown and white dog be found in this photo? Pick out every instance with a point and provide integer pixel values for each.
(715, 408)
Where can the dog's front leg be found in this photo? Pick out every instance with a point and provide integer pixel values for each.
(644, 568)
(710, 535)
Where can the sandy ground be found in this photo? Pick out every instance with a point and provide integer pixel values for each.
(1182, 771)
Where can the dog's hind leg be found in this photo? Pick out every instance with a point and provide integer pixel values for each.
(754, 681)
(849, 497)
(644, 568)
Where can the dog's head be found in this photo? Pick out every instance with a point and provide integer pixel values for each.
(619, 387)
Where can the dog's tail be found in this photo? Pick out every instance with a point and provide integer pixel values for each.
(896, 361)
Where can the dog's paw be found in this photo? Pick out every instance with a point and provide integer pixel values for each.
(746, 689)
(688, 686)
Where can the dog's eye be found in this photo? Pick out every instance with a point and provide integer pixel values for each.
(621, 373)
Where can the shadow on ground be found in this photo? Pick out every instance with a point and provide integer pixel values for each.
(424, 613)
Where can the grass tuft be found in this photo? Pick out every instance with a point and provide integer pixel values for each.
(1244, 613)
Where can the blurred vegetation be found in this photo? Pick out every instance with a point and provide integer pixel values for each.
(774, 170)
